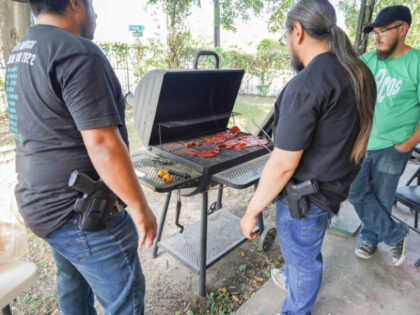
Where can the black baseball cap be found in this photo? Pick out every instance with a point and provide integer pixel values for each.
(389, 15)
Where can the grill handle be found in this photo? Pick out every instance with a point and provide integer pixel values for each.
(206, 53)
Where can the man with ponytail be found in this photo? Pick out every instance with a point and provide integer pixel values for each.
(322, 122)
(396, 67)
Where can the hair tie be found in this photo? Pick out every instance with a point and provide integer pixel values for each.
(329, 28)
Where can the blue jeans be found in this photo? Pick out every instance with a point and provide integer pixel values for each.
(300, 243)
(372, 195)
(103, 263)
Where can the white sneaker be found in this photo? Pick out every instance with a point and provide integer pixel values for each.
(278, 277)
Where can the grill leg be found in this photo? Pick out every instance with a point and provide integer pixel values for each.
(203, 247)
(219, 197)
(161, 224)
(260, 217)
(260, 223)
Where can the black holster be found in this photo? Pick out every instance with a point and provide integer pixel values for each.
(93, 212)
(297, 199)
(96, 204)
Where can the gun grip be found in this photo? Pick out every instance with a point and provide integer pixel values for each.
(81, 182)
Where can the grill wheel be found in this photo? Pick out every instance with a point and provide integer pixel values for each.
(267, 238)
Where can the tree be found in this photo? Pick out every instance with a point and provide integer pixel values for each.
(228, 12)
(278, 13)
(178, 33)
(270, 56)
(15, 18)
(216, 23)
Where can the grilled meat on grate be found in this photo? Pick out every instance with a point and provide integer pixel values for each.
(237, 144)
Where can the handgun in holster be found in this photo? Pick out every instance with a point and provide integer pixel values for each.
(296, 195)
(95, 205)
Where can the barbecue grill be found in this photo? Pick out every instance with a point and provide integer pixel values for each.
(171, 109)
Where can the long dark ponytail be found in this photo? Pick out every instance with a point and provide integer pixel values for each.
(318, 19)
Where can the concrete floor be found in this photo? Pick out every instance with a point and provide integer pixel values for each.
(354, 286)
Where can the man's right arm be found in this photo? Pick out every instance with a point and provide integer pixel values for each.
(111, 159)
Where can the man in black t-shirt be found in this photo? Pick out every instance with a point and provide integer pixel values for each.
(318, 136)
(66, 111)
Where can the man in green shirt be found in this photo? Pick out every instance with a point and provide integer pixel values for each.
(396, 68)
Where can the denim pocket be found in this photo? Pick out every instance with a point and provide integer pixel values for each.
(116, 219)
(313, 226)
(70, 242)
(393, 161)
(400, 152)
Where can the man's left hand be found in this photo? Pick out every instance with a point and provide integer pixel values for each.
(403, 147)
(248, 223)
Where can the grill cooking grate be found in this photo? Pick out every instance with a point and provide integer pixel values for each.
(148, 166)
(232, 156)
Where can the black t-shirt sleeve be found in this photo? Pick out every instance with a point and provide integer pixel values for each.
(297, 118)
(87, 91)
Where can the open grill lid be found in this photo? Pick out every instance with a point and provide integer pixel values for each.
(177, 104)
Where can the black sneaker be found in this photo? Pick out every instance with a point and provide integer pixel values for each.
(365, 250)
(399, 252)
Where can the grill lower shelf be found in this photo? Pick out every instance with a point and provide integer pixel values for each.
(223, 235)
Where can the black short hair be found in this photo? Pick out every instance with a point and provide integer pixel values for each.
(49, 6)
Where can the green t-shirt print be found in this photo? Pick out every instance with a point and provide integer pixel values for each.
(397, 108)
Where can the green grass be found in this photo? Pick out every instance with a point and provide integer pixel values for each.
(221, 303)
